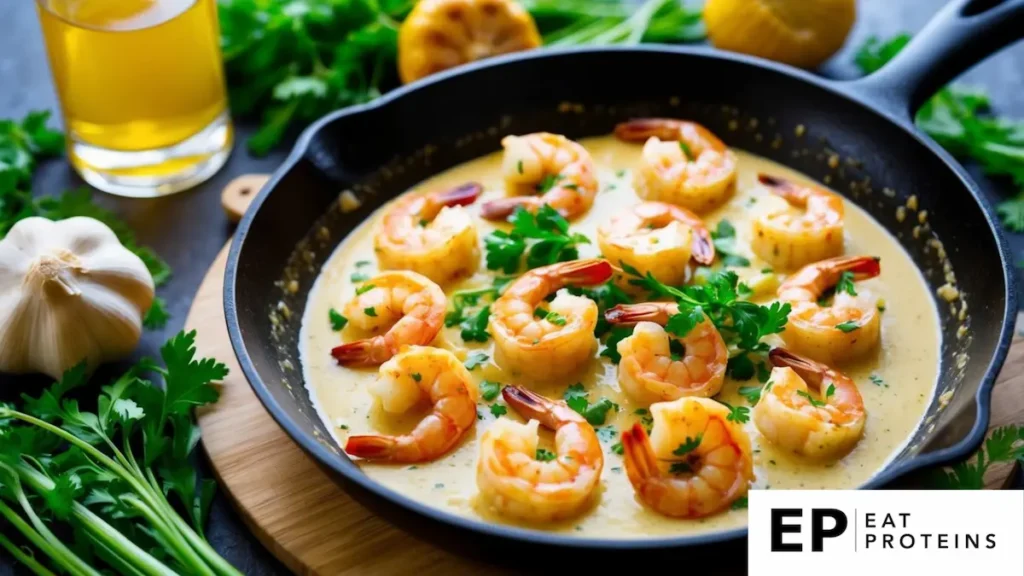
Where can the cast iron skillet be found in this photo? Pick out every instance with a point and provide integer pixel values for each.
(379, 150)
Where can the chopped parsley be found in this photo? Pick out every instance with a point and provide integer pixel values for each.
(489, 390)
(362, 263)
(596, 414)
(547, 183)
(371, 312)
(739, 504)
(498, 410)
(751, 393)
(475, 359)
(544, 455)
(544, 238)
(680, 468)
(606, 296)
(814, 402)
(676, 349)
(364, 289)
(519, 166)
(845, 283)
(474, 327)
(618, 449)
(848, 326)
(555, 318)
(686, 151)
(607, 433)
(877, 380)
(738, 414)
(338, 321)
(740, 367)
(464, 313)
(689, 445)
(359, 277)
(724, 238)
(611, 345)
(417, 376)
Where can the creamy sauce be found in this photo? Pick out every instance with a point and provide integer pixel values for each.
(907, 361)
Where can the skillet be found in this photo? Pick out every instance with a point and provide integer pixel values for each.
(378, 150)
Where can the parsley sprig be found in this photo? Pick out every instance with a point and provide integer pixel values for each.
(116, 475)
(1006, 444)
(544, 238)
(724, 237)
(596, 414)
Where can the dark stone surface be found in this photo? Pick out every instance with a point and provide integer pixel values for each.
(189, 229)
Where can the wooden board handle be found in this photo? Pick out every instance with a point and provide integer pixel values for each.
(239, 194)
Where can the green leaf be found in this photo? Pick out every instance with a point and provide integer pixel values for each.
(544, 455)
(338, 322)
(739, 504)
(475, 359)
(474, 328)
(814, 401)
(597, 413)
(617, 334)
(189, 382)
(751, 393)
(364, 289)
(1011, 212)
(489, 390)
(157, 316)
(688, 446)
(740, 367)
(848, 326)
(47, 405)
(67, 487)
(498, 410)
(738, 414)
(687, 153)
(503, 251)
(874, 53)
(845, 283)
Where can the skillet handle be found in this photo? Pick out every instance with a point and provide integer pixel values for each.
(963, 33)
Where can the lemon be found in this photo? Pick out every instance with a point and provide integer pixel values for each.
(802, 33)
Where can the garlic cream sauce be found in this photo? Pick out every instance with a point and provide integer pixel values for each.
(896, 382)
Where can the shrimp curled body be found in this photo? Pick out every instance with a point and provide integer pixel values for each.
(683, 163)
(650, 371)
(409, 306)
(848, 328)
(562, 170)
(516, 484)
(548, 344)
(789, 241)
(421, 375)
(431, 234)
(789, 416)
(658, 238)
(696, 462)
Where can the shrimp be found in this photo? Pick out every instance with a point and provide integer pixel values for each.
(409, 306)
(549, 163)
(430, 234)
(516, 483)
(789, 241)
(416, 375)
(552, 343)
(788, 416)
(683, 163)
(849, 327)
(696, 462)
(658, 238)
(652, 371)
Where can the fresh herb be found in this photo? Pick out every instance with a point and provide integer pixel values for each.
(519, 166)
(724, 238)
(359, 277)
(464, 313)
(544, 455)
(646, 418)
(475, 359)
(417, 376)
(596, 414)
(814, 401)
(547, 183)
(474, 327)
(618, 449)
(105, 480)
(22, 145)
(764, 371)
(489, 390)
(555, 318)
(830, 391)
(739, 504)
(688, 446)
(845, 283)
(579, 22)
(607, 433)
(343, 426)
(959, 119)
(751, 393)
(680, 468)
(740, 367)
(371, 312)
(687, 153)
(157, 316)
(364, 289)
(361, 263)
(544, 238)
(338, 322)
(498, 410)
(606, 296)
(1006, 444)
(676, 349)
(739, 414)
(848, 326)
(611, 345)
(877, 380)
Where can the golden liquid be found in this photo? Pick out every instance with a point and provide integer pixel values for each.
(135, 74)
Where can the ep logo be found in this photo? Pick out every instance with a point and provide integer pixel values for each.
(820, 523)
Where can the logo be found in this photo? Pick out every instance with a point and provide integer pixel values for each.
(873, 533)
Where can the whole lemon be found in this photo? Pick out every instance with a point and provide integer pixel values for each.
(802, 33)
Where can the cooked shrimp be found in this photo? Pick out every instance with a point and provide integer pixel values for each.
(650, 371)
(516, 484)
(547, 344)
(431, 234)
(409, 306)
(787, 240)
(846, 329)
(683, 163)
(658, 238)
(696, 462)
(788, 415)
(562, 170)
(415, 376)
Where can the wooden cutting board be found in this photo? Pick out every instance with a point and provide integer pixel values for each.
(299, 513)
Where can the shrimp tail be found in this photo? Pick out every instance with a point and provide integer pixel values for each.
(792, 192)
(584, 272)
(640, 129)
(657, 312)
(810, 371)
(530, 405)
(638, 454)
(863, 267)
(703, 247)
(461, 195)
(372, 447)
(365, 352)
(502, 208)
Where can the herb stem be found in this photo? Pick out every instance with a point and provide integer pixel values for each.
(180, 547)
(34, 537)
(24, 558)
(74, 564)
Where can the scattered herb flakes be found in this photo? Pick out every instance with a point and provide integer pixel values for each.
(371, 312)
(417, 376)
(474, 327)
(680, 468)
(845, 283)
(814, 401)
(498, 410)
(364, 289)
(338, 322)
(686, 151)
(724, 238)
(689, 445)
(607, 433)
(830, 391)
(739, 504)
(475, 359)
(848, 326)
(359, 277)
(555, 318)
(362, 263)
(489, 390)
(618, 449)
(544, 455)
(519, 166)
(738, 414)
(877, 381)
(751, 393)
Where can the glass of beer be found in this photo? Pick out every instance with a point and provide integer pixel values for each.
(141, 86)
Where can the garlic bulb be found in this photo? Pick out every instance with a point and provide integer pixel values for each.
(69, 291)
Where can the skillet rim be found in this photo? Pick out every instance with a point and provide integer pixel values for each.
(846, 89)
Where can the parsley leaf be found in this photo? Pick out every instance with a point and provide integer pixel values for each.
(680, 468)
(474, 328)
(597, 413)
(611, 345)
(848, 326)
(740, 367)
(544, 238)
(751, 393)
(739, 414)
(874, 53)
(371, 312)
(724, 238)
(689, 445)
(489, 390)
(475, 359)
(576, 397)
(338, 321)
(544, 455)
(364, 289)
(157, 316)
(498, 410)
(687, 153)
(739, 503)
(845, 283)
(1006, 444)
(814, 401)
(618, 449)
(877, 380)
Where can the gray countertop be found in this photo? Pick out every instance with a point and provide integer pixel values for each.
(189, 229)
